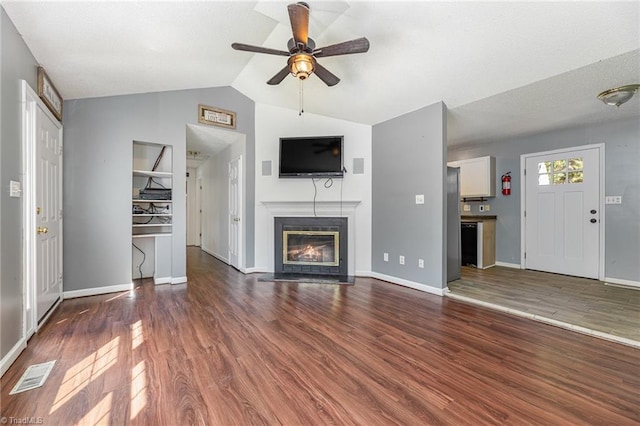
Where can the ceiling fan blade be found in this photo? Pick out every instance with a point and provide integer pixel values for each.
(299, 17)
(359, 45)
(277, 79)
(325, 75)
(258, 49)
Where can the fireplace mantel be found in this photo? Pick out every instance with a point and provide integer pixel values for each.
(305, 208)
(322, 208)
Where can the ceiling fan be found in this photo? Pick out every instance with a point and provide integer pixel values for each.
(302, 50)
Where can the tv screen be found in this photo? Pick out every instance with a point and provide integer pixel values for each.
(319, 156)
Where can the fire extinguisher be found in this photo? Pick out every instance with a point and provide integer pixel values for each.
(506, 183)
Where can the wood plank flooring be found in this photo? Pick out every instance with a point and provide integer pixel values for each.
(226, 349)
(588, 304)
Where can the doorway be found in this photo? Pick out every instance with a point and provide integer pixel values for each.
(562, 220)
(215, 158)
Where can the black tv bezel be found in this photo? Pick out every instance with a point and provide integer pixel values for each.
(338, 174)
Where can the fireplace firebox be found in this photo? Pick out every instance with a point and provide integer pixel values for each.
(311, 246)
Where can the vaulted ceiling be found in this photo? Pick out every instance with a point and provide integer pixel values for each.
(503, 68)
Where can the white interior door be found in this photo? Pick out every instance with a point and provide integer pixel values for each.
(193, 210)
(562, 212)
(48, 222)
(235, 213)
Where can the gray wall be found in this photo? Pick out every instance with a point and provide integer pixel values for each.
(16, 63)
(408, 158)
(622, 177)
(98, 134)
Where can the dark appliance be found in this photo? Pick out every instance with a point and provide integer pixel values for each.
(311, 157)
(469, 237)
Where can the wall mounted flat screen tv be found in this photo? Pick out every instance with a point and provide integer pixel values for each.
(313, 157)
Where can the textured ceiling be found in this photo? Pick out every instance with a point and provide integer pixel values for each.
(502, 68)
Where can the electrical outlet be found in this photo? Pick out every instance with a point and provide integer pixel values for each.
(401, 259)
(481, 208)
(487, 207)
(613, 199)
(466, 207)
(385, 257)
(420, 263)
(420, 199)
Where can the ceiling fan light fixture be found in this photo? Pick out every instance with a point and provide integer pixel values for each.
(301, 65)
(618, 95)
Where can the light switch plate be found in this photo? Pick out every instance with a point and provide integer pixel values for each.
(466, 207)
(420, 199)
(487, 207)
(613, 199)
(386, 257)
(14, 189)
(420, 263)
(401, 260)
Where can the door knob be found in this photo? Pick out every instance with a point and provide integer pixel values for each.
(42, 230)
(593, 211)
(593, 220)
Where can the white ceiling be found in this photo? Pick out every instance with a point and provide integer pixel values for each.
(502, 68)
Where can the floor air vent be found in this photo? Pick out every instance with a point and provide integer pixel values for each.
(34, 377)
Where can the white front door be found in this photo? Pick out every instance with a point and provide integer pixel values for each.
(235, 213)
(562, 212)
(48, 221)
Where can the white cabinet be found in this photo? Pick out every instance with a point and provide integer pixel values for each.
(477, 177)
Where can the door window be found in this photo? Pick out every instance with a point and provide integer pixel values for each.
(561, 171)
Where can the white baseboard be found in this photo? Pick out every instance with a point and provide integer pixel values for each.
(626, 283)
(256, 269)
(98, 290)
(411, 284)
(217, 256)
(12, 355)
(364, 274)
(178, 280)
(163, 280)
(509, 265)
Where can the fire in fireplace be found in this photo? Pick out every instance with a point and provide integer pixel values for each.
(311, 246)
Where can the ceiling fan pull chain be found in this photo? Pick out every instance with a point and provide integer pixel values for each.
(300, 98)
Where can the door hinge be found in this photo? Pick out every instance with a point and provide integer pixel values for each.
(525, 172)
(60, 214)
(525, 254)
(525, 213)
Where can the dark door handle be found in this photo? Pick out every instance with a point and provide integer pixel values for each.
(593, 220)
(593, 212)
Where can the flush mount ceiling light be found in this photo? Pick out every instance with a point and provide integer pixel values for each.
(618, 95)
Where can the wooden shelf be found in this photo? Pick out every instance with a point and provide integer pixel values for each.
(149, 173)
(137, 200)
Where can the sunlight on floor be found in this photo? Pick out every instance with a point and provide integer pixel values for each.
(138, 389)
(100, 414)
(136, 334)
(85, 371)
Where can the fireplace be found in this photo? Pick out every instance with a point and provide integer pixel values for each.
(311, 246)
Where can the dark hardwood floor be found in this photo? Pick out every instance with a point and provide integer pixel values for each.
(226, 349)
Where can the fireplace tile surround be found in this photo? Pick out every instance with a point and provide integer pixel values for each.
(345, 209)
(315, 246)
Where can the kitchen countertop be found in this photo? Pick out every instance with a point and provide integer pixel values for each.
(477, 218)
